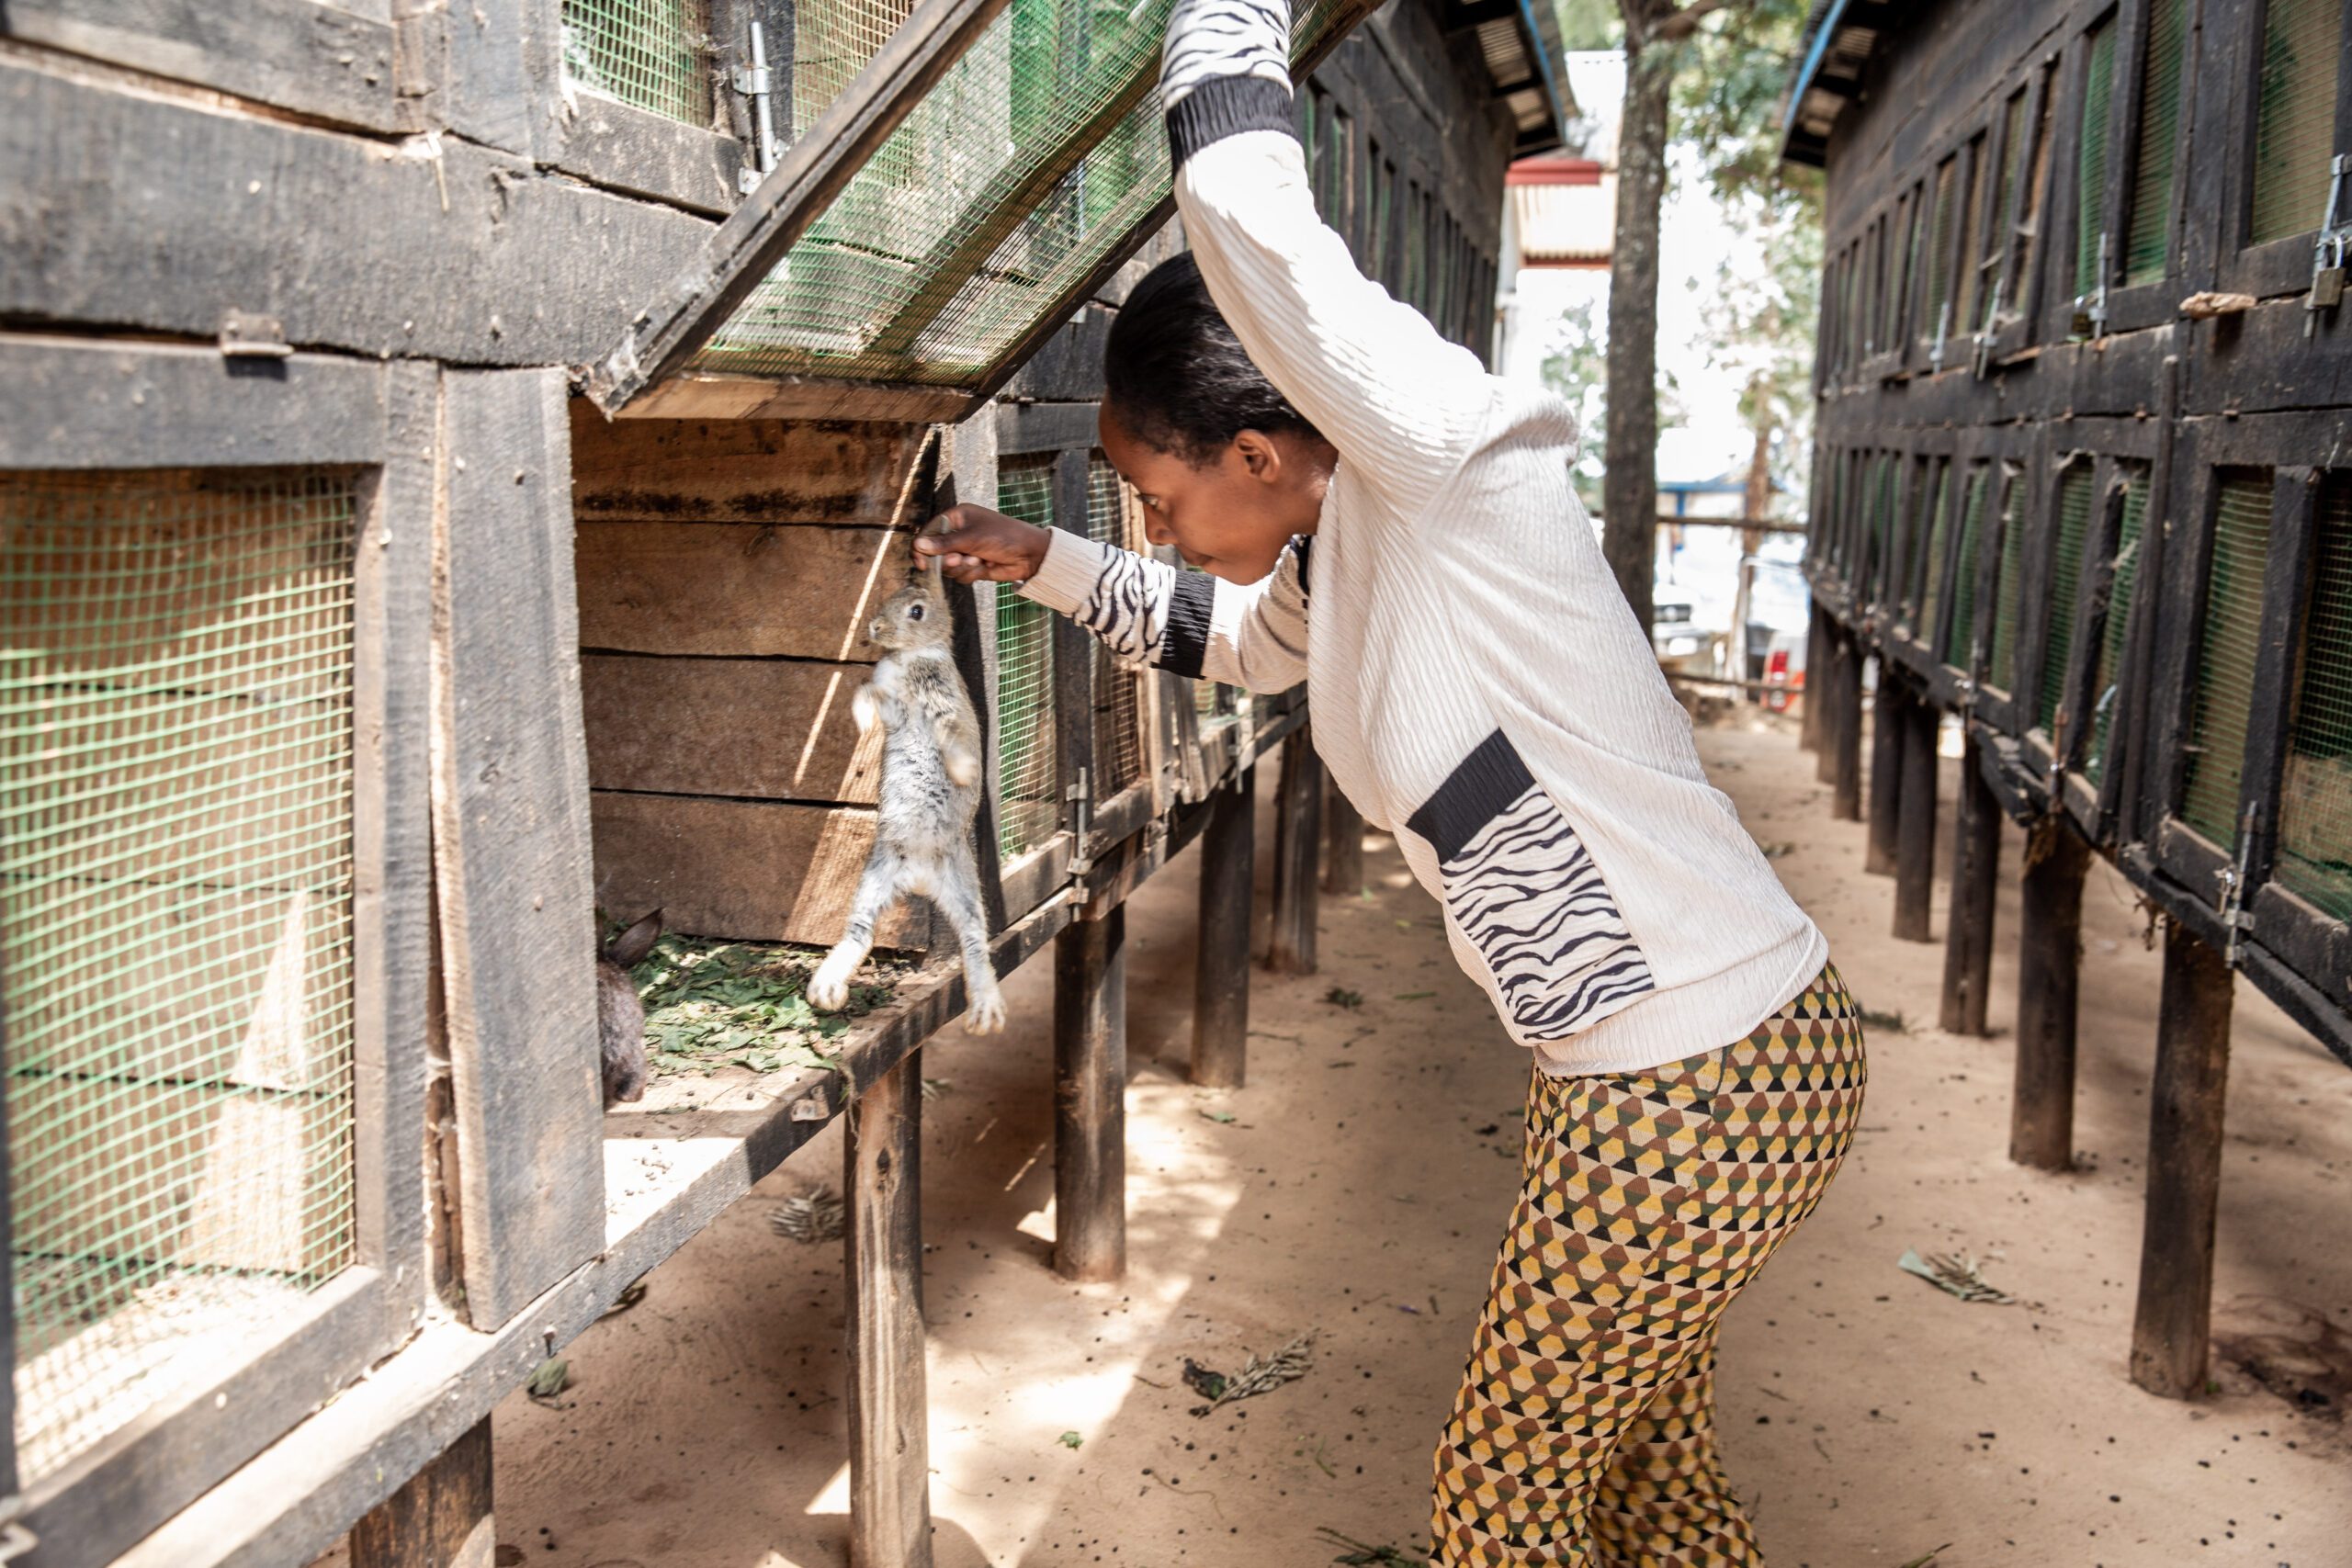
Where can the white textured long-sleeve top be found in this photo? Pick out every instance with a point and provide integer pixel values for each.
(1478, 684)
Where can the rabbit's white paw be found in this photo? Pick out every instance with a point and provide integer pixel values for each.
(985, 1014)
(863, 711)
(963, 768)
(828, 987)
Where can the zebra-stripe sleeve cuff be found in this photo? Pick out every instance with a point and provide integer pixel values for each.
(1192, 610)
(1223, 106)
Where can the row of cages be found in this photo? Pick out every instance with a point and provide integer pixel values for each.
(2133, 154)
(316, 770)
(2150, 623)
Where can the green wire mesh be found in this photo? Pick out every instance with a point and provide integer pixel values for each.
(1959, 642)
(176, 888)
(2147, 243)
(1929, 575)
(2315, 800)
(1890, 464)
(2294, 128)
(1118, 703)
(831, 44)
(2115, 637)
(2090, 186)
(2012, 160)
(2065, 581)
(1971, 226)
(1036, 153)
(1914, 259)
(2008, 587)
(650, 54)
(1941, 243)
(2225, 655)
(2028, 222)
(1028, 804)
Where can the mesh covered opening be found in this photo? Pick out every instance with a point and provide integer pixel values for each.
(1972, 226)
(2065, 581)
(2013, 150)
(2091, 162)
(1882, 527)
(2148, 242)
(1118, 708)
(1036, 154)
(650, 54)
(2037, 191)
(831, 41)
(2116, 635)
(1028, 808)
(2315, 797)
(1942, 242)
(1958, 641)
(1901, 238)
(2225, 655)
(175, 882)
(1929, 574)
(2294, 126)
(2009, 586)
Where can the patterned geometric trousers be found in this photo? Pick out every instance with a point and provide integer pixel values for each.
(1584, 1434)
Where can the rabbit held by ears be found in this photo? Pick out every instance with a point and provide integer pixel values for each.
(620, 1017)
(930, 790)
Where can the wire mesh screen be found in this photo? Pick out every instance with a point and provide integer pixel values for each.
(175, 882)
(1028, 804)
(1929, 574)
(2028, 222)
(1942, 242)
(1958, 641)
(2013, 150)
(831, 44)
(2315, 799)
(2008, 584)
(2148, 241)
(2225, 655)
(2294, 128)
(2065, 579)
(1972, 225)
(1882, 527)
(2090, 184)
(2115, 637)
(650, 54)
(1036, 155)
(1118, 704)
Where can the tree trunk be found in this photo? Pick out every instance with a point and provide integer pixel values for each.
(1758, 497)
(1629, 489)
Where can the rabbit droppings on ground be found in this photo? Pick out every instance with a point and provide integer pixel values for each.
(620, 1017)
(931, 788)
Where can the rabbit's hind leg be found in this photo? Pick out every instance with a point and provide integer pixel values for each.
(828, 987)
(958, 900)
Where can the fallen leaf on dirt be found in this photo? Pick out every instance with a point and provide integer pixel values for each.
(1414, 995)
(552, 1378)
(1340, 997)
(1223, 1118)
(1892, 1023)
(1923, 1561)
(1069, 1439)
(1357, 1555)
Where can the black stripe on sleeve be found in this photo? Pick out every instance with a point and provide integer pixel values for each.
(1223, 106)
(1486, 782)
(1184, 647)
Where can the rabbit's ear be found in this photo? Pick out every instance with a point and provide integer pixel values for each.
(629, 948)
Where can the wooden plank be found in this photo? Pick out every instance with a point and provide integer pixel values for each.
(1343, 845)
(1846, 755)
(752, 729)
(1915, 847)
(440, 1518)
(890, 1468)
(471, 256)
(2172, 1324)
(630, 149)
(752, 870)
(2050, 937)
(69, 403)
(741, 470)
(1043, 427)
(1090, 1098)
(1889, 718)
(746, 247)
(1975, 879)
(1815, 657)
(511, 841)
(296, 54)
(704, 395)
(1221, 972)
(735, 590)
(1299, 810)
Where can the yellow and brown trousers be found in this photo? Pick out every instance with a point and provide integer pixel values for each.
(1584, 1434)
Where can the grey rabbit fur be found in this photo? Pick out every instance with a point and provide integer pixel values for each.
(620, 1017)
(930, 790)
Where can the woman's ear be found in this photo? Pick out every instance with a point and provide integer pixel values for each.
(1260, 456)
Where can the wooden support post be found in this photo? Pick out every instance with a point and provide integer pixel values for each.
(1975, 872)
(1822, 685)
(1221, 975)
(1846, 759)
(1914, 833)
(1889, 718)
(1343, 845)
(1816, 656)
(2170, 1331)
(1090, 1098)
(1298, 823)
(890, 1461)
(2049, 939)
(440, 1520)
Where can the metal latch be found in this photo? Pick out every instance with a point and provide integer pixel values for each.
(2328, 250)
(1985, 338)
(2090, 310)
(1943, 334)
(247, 336)
(2236, 919)
(1080, 797)
(754, 85)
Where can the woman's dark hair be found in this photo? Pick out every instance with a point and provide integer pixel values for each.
(1178, 376)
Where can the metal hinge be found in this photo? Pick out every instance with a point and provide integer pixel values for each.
(1080, 797)
(247, 336)
(755, 84)
(1943, 334)
(2090, 310)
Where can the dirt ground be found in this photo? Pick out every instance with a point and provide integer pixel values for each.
(1358, 1190)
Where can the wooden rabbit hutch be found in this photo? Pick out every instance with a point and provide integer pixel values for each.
(356, 658)
(2083, 379)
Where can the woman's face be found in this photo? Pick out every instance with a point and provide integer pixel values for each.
(1230, 517)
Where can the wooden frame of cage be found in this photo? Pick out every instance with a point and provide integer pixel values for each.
(74, 405)
(2222, 189)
